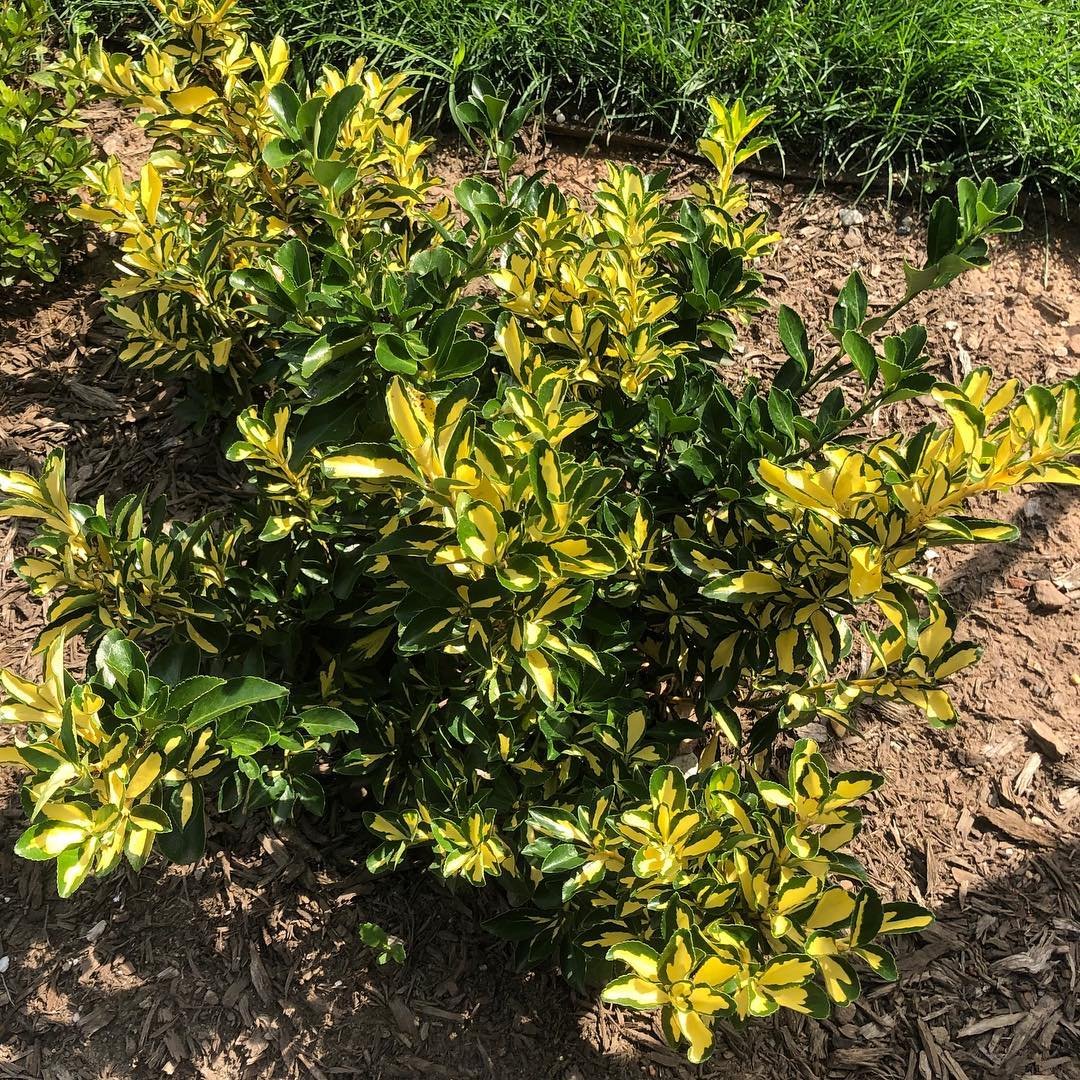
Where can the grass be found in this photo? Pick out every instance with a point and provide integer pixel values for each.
(868, 87)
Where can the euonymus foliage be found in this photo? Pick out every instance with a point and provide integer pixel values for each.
(41, 156)
(516, 537)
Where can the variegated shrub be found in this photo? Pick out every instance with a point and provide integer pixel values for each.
(518, 536)
(41, 150)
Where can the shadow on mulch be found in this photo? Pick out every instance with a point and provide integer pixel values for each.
(249, 965)
(988, 566)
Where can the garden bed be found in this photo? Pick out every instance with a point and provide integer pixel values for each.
(248, 964)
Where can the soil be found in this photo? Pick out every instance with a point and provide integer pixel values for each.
(248, 965)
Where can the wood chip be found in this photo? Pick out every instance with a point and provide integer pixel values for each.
(933, 1051)
(441, 1014)
(1047, 740)
(990, 1023)
(232, 994)
(1032, 962)
(1030, 1027)
(1012, 824)
(403, 1016)
(1026, 775)
(94, 1021)
(259, 978)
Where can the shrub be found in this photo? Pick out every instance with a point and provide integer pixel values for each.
(40, 157)
(514, 541)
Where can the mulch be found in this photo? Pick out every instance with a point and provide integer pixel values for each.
(248, 965)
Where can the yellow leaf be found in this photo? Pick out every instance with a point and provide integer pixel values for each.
(638, 956)
(480, 542)
(187, 803)
(786, 971)
(150, 192)
(634, 993)
(791, 997)
(137, 845)
(68, 813)
(680, 963)
(408, 421)
(834, 906)
(905, 921)
(796, 895)
(936, 634)
(697, 1033)
(716, 971)
(838, 982)
(539, 667)
(755, 583)
(865, 576)
(845, 791)
(191, 99)
(145, 775)
(366, 466)
(220, 352)
(52, 840)
(71, 871)
(960, 659)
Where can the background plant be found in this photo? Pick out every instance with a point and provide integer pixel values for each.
(880, 89)
(512, 539)
(41, 157)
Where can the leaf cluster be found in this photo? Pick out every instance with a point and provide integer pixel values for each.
(120, 761)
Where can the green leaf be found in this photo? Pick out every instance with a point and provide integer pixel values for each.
(324, 720)
(849, 312)
(393, 353)
(247, 740)
(117, 657)
(327, 348)
(793, 337)
(338, 109)
(234, 694)
(464, 357)
(293, 258)
(943, 230)
(782, 410)
(561, 858)
(284, 104)
(278, 153)
(862, 355)
(190, 690)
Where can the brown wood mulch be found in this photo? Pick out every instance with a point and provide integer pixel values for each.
(248, 965)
